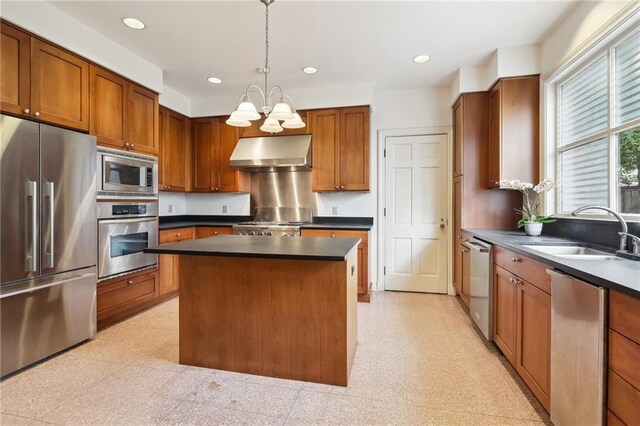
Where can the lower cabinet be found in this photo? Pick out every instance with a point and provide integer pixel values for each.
(364, 291)
(623, 387)
(168, 264)
(212, 231)
(522, 319)
(124, 296)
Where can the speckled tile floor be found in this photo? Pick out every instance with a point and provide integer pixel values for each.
(419, 361)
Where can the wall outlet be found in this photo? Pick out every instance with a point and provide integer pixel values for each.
(224, 209)
(334, 210)
(170, 208)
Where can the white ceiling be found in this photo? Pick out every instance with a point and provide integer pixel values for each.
(348, 41)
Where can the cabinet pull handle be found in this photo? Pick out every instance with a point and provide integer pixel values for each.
(511, 280)
(178, 234)
(459, 237)
(465, 250)
(130, 282)
(26, 110)
(515, 259)
(333, 235)
(132, 145)
(337, 187)
(342, 187)
(37, 114)
(215, 233)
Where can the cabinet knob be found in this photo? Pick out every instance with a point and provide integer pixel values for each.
(216, 189)
(178, 234)
(342, 187)
(130, 282)
(465, 251)
(26, 110)
(169, 187)
(333, 235)
(215, 233)
(515, 259)
(126, 144)
(132, 145)
(37, 114)
(337, 187)
(459, 237)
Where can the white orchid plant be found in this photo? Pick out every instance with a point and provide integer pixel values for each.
(531, 201)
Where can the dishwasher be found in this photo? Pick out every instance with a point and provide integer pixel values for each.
(578, 351)
(480, 286)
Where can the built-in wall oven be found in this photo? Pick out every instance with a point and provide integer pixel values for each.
(126, 174)
(125, 229)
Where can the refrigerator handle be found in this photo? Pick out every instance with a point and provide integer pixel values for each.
(50, 195)
(31, 226)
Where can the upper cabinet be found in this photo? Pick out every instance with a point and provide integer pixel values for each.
(123, 115)
(254, 130)
(173, 161)
(514, 116)
(213, 141)
(340, 149)
(42, 81)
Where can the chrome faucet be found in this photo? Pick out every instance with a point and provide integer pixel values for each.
(635, 242)
(623, 235)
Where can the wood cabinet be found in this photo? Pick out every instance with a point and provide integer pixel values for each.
(213, 141)
(340, 149)
(254, 131)
(173, 161)
(623, 379)
(169, 264)
(144, 122)
(124, 296)
(474, 205)
(41, 81)
(522, 319)
(15, 73)
(212, 231)
(364, 291)
(514, 116)
(108, 110)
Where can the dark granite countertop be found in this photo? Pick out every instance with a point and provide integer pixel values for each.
(333, 249)
(320, 222)
(621, 275)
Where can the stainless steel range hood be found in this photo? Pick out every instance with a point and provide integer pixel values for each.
(272, 153)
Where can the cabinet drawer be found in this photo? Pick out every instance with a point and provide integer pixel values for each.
(623, 399)
(624, 358)
(624, 315)
(127, 293)
(212, 231)
(176, 235)
(335, 233)
(530, 270)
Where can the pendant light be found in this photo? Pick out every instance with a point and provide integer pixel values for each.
(283, 110)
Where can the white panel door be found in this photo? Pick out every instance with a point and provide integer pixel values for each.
(415, 240)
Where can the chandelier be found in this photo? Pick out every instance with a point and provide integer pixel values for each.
(283, 110)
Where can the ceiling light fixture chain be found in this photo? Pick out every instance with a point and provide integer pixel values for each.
(283, 110)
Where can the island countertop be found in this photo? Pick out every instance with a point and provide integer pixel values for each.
(303, 248)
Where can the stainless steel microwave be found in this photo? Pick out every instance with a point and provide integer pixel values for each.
(125, 174)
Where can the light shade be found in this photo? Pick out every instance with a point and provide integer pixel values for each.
(294, 123)
(235, 121)
(281, 111)
(271, 125)
(246, 111)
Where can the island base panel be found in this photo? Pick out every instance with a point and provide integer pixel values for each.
(293, 319)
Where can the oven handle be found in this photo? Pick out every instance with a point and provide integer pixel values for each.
(131, 220)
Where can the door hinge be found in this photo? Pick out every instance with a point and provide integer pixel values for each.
(384, 270)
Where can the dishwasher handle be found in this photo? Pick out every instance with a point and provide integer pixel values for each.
(476, 245)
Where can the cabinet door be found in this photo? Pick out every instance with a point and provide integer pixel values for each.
(174, 152)
(504, 313)
(107, 112)
(354, 149)
(466, 275)
(458, 168)
(325, 151)
(59, 86)
(534, 339)
(168, 274)
(229, 180)
(205, 134)
(143, 120)
(162, 124)
(15, 58)
(457, 209)
(495, 135)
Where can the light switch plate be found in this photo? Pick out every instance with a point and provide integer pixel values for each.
(170, 208)
(334, 210)
(224, 209)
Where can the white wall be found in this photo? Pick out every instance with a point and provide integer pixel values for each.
(172, 204)
(51, 23)
(175, 100)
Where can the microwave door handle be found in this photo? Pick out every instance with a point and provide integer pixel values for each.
(49, 193)
(31, 226)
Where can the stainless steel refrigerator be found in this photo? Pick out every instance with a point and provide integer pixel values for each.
(48, 233)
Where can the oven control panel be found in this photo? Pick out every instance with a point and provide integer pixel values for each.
(128, 209)
(125, 209)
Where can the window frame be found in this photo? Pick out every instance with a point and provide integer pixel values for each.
(551, 150)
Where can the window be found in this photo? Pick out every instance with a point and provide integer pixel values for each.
(598, 130)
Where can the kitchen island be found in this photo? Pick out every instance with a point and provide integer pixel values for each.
(279, 307)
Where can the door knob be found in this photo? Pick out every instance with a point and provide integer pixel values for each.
(442, 226)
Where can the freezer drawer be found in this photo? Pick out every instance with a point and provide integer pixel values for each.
(44, 316)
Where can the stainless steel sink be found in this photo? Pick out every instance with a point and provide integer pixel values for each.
(574, 252)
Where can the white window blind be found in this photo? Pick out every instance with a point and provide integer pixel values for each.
(584, 175)
(627, 80)
(584, 104)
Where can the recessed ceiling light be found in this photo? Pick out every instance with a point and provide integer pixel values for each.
(134, 23)
(421, 59)
(309, 70)
(214, 80)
